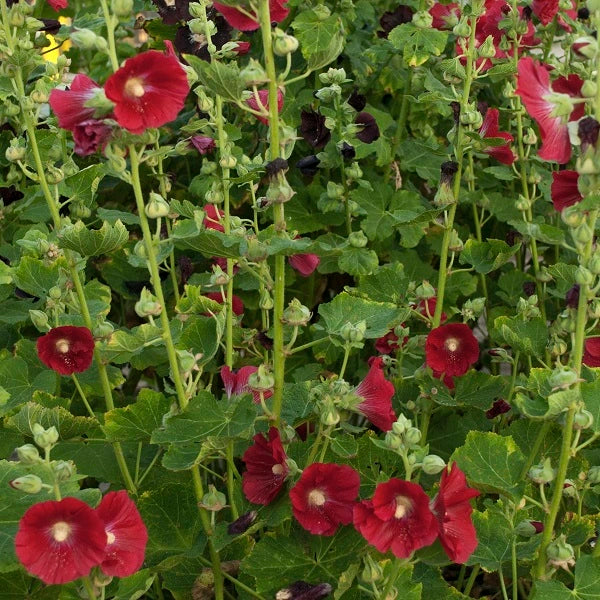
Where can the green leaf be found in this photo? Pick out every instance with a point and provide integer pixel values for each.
(528, 337)
(479, 389)
(112, 216)
(93, 242)
(82, 186)
(417, 44)
(587, 577)
(492, 463)
(590, 393)
(318, 37)
(434, 585)
(387, 284)
(487, 256)
(202, 336)
(208, 242)
(135, 586)
(36, 277)
(358, 261)
(345, 446)
(137, 421)
(551, 590)
(344, 308)
(222, 79)
(206, 417)
(494, 535)
(541, 232)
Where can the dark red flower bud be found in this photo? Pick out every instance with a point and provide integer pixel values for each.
(572, 297)
(455, 106)
(313, 130)
(537, 525)
(240, 525)
(447, 171)
(203, 144)
(357, 101)
(348, 151)
(583, 14)
(391, 19)
(370, 130)
(308, 165)
(276, 166)
(499, 407)
(186, 268)
(588, 129)
(529, 288)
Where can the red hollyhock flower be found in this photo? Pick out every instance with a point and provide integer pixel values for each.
(90, 135)
(564, 190)
(266, 468)
(305, 264)
(324, 496)
(427, 308)
(204, 145)
(248, 19)
(237, 304)
(242, 48)
(126, 535)
(69, 105)
(60, 541)
(444, 14)
(398, 518)
(453, 511)
(376, 393)
(236, 382)
(58, 4)
(67, 349)
(546, 10)
(213, 217)
(451, 349)
(263, 96)
(489, 129)
(149, 90)
(388, 343)
(533, 85)
(591, 354)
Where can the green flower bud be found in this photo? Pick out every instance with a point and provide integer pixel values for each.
(393, 441)
(583, 419)
(186, 360)
(140, 249)
(30, 484)
(44, 438)
(358, 239)
(334, 76)
(279, 192)
(557, 347)
(542, 473)
(586, 165)
(594, 309)
(147, 305)
(257, 251)
(122, 8)
(530, 137)
(205, 103)
(218, 278)
(213, 500)
(16, 19)
(372, 571)
(63, 470)
(593, 475)
(572, 216)
(401, 425)
(15, 152)
(39, 96)
(39, 319)
(328, 94)
(422, 19)
(584, 276)
(335, 191)
(433, 464)
(55, 293)
(583, 234)
(157, 206)
(589, 89)
(265, 301)
(412, 436)
(103, 330)
(284, 44)
(54, 175)
(329, 415)
(594, 263)
(28, 454)
(354, 332)
(560, 554)
(425, 291)
(11, 110)
(487, 49)
(569, 489)
(296, 314)
(262, 380)
(562, 378)
(84, 39)
(525, 529)
(101, 580)
(455, 243)
(462, 29)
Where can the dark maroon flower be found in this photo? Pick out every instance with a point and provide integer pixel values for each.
(90, 135)
(204, 145)
(324, 496)
(490, 129)
(587, 130)
(347, 151)
(173, 11)
(67, 349)
(300, 590)
(453, 511)
(398, 518)
(572, 297)
(529, 288)
(186, 268)
(242, 524)
(313, 130)
(126, 535)
(266, 468)
(370, 130)
(376, 393)
(60, 541)
(274, 167)
(309, 165)
(357, 101)
(188, 42)
(391, 19)
(451, 349)
(537, 525)
(564, 190)
(499, 407)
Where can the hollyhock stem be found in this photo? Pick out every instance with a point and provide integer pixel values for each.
(567, 436)
(110, 35)
(396, 567)
(89, 588)
(449, 223)
(170, 347)
(264, 17)
(401, 121)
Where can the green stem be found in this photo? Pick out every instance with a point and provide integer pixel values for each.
(401, 121)
(502, 585)
(471, 580)
(264, 16)
(347, 350)
(394, 572)
(110, 35)
(83, 398)
(237, 582)
(539, 440)
(515, 573)
(89, 588)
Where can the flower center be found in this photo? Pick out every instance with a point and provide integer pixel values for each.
(452, 344)
(61, 531)
(316, 498)
(134, 87)
(277, 469)
(403, 507)
(110, 537)
(62, 346)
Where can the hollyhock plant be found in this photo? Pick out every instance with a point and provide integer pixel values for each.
(60, 541)
(263, 97)
(70, 105)
(324, 497)
(313, 130)
(91, 135)
(398, 518)
(369, 131)
(546, 10)
(149, 90)
(213, 217)
(427, 308)
(126, 535)
(236, 382)
(591, 353)
(204, 145)
(451, 349)
(266, 468)
(564, 190)
(453, 511)
(490, 129)
(388, 344)
(376, 393)
(67, 349)
(541, 99)
(244, 19)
